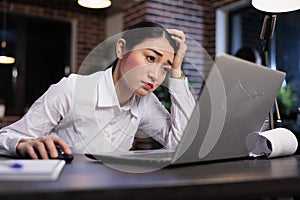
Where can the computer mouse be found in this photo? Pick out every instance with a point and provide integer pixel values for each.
(62, 155)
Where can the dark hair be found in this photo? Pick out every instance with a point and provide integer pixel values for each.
(139, 32)
(247, 53)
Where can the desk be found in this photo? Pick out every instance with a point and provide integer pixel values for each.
(87, 179)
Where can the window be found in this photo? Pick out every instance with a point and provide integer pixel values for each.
(42, 50)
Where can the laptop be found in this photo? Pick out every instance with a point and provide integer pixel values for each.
(235, 100)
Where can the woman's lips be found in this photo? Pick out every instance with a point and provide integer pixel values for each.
(148, 86)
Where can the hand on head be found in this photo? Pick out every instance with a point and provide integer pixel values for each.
(179, 36)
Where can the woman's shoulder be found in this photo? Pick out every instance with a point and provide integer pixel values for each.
(86, 76)
(73, 78)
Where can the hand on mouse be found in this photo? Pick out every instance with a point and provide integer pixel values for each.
(41, 147)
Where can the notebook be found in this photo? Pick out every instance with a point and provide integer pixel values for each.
(30, 170)
(235, 100)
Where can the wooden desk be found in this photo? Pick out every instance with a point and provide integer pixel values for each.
(86, 179)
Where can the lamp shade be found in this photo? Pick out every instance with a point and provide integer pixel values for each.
(94, 3)
(7, 60)
(276, 6)
(4, 58)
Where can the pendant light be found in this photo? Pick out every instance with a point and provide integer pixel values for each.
(95, 3)
(4, 58)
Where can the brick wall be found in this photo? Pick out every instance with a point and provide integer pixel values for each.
(90, 29)
(195, 17)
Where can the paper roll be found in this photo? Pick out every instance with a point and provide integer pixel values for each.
(272, 143)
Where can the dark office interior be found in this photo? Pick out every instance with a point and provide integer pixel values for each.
(50, 39)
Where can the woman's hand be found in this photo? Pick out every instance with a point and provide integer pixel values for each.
(179, 36)
(41, 147)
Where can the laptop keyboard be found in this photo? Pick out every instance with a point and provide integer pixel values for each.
(153, 156)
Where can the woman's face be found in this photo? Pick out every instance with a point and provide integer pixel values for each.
(145, 67)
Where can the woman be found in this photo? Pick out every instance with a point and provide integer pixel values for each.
(101, 112)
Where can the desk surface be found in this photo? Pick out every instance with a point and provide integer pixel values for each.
(87, 179)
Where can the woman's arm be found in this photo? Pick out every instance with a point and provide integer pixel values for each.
(29, 136)
(179, 36)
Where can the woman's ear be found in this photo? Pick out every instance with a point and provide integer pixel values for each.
(120, 48)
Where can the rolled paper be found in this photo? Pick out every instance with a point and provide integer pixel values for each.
(272, 143)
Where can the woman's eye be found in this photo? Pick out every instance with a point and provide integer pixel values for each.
(150, 58)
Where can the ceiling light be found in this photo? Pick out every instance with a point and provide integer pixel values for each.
(94, 3)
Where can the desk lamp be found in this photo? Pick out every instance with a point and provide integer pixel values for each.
(271, 7)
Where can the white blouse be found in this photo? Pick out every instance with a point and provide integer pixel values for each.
(85, 112)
